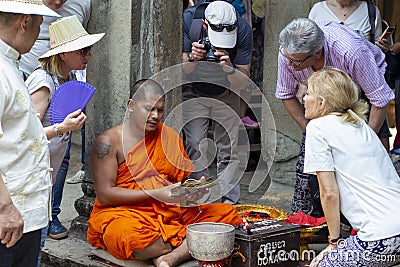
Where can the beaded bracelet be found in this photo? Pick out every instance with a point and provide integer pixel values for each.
(57, 130)
(333, 242)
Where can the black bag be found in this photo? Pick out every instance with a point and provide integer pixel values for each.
(393, 68)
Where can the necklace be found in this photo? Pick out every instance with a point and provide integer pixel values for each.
(347, 12)
(62, 80)
(341, 10)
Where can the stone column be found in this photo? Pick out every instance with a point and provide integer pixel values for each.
(142, 38)
(278, 14)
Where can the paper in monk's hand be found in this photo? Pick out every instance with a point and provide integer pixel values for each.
(191, 186)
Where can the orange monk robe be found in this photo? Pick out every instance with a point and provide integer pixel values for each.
(158, 160)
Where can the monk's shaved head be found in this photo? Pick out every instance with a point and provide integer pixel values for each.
(145, 87)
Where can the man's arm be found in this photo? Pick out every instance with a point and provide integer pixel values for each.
(366, 67)
(198, 53)
(105, 166)
(242, 60)
(296, 111)
(238, 80)
(11, 223)
(106, 156)
(377, 117)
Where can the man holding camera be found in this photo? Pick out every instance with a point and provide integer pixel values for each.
(217, 66)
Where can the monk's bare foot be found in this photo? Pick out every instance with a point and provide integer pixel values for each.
(168, 260)
(160, 262)
(173, 258)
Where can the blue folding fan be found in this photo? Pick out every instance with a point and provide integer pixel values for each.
(70, 96)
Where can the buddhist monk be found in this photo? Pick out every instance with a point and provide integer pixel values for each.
(135, 166)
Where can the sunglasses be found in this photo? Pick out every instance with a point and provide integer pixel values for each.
(221, 27)
(296, 63)
(84, 51)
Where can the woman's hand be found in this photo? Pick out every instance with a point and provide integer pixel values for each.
(73, 121)
(321, 255)
(301, 92)
(383, 44)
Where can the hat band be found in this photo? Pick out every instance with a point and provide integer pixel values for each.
(54, 45)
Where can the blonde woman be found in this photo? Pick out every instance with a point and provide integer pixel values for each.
(70, 50)
(355, 174)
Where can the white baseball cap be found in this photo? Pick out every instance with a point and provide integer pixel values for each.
(29, 7)
(221, 21)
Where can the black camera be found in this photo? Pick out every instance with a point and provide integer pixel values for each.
(208, 47)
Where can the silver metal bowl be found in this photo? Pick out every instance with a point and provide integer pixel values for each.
(210, 241)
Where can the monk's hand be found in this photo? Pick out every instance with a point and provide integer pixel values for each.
(198, 194)
(166, 194)
(11, 224)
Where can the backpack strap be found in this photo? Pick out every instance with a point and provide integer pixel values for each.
(195, 27)
(372, 17)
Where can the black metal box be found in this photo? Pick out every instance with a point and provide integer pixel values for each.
(269, 243)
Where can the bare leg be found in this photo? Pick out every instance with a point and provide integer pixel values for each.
(173, 258)
(158, 248)
(243, 108)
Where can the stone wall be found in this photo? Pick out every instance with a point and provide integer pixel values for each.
(278, 14)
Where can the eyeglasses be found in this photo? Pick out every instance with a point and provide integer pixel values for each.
(84, 51)
(296, 63)
(221, 27)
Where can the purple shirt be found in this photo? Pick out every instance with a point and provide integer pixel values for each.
(344, 49)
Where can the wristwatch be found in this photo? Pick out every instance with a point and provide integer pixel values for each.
(232, 71)
(190, 57)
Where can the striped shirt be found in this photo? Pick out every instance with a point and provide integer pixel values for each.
(346, 50)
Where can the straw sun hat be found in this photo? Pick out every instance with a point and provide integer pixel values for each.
(29, 7)
(67, 34)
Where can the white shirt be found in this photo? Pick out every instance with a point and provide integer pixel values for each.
(24, 153)
(368, 182)
(358, 20)
(80, 8)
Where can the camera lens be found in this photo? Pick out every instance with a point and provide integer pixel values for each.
(210, 55)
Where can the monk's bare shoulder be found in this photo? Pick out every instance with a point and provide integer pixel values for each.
(108, 143)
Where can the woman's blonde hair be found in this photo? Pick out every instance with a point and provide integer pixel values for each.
(340, 93)
(52, 64)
